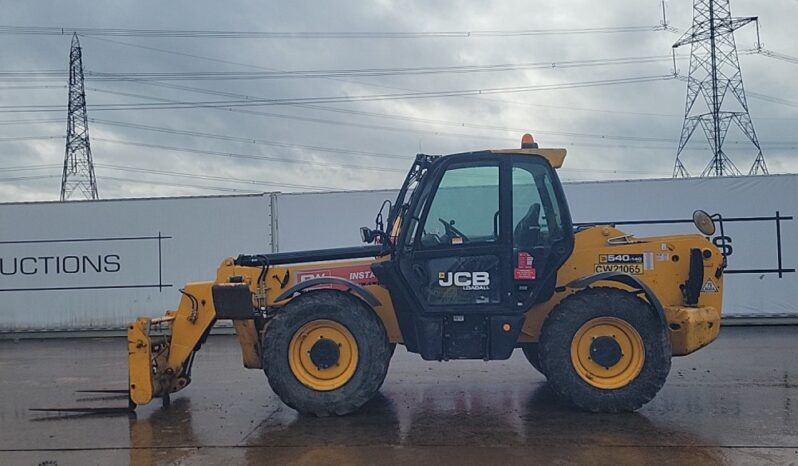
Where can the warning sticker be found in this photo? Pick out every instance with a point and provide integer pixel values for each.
(709, 287)
(526, 267)
(648, 260)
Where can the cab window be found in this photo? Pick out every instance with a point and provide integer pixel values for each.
(465, 208)
(536, 212)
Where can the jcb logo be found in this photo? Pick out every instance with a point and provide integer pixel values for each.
(465, 280)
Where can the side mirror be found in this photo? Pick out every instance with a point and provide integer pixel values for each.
(703, 221)
(366, 235)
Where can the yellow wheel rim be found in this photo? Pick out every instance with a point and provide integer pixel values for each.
(607, 352)
(322, 355)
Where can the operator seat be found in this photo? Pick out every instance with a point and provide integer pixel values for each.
(527, 231)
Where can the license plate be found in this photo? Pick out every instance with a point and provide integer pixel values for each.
(631, 269)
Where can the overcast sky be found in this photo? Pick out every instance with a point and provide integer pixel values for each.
(369, 145)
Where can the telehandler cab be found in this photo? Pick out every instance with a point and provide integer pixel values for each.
(479, 258)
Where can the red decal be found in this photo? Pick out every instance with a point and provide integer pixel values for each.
(360, 274)
(525, 268)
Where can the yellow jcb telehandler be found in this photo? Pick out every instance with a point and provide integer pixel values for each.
(477, 257)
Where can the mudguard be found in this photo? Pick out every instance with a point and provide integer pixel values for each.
(352, 287)
(626, 279)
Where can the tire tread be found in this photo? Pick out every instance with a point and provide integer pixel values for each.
(570, 315)
(374, 353)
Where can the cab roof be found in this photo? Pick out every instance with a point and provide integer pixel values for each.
(555, 157)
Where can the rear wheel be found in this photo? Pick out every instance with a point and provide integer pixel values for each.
(604, 349)
(326, 353)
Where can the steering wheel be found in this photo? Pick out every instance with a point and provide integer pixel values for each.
(451, 231)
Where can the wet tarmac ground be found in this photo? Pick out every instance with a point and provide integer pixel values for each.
(732, 403)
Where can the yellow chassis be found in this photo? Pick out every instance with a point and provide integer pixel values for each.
(159, 365)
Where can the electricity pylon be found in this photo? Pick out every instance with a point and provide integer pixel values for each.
(78, 173)
(715, 74)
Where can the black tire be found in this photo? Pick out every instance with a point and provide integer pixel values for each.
(532, 353)
(373, 350)
(570, 315)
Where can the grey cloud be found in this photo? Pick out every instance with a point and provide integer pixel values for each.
(641, 110)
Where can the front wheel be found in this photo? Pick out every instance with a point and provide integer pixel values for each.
(605, 350)
(326, 353)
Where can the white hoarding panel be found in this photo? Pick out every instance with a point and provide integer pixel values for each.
(97, 265)
(326, 220)
(760, 225)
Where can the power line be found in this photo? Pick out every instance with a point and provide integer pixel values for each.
(218, 34)
(362, 83)
(369, 114)
(366, 153)
(504, 101)
(778, 56)
(27, 178)
(257, 141)
(332, 122)
(217, 60)
(338, 110)
(212, 178)
(775, 100)
(398, 117)
(57, 71)
(143, 78)
(372, 113)
(569, 142)
(249, 156)
(372, 72)
(345, 99)
(250, 65)
(29, 87)
(178, 185)
(29, 167)
(458, 124)
(30, 121)
(333, 73)
(161, 172)
(246, 140)
(29, 138)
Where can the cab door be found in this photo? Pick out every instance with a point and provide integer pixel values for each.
(462, 244)
(488, 236)
(542, 236)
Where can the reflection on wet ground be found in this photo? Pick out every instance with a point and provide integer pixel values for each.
(730, 403)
